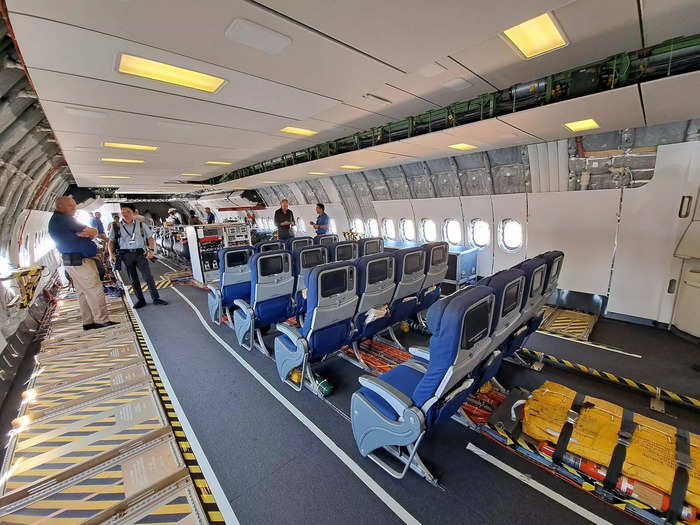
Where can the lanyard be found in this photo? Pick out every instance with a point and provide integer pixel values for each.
(132, 233)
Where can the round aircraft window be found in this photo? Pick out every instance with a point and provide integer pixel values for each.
(332, 228)
(452, 231)
(389, 229)
(300, 225)
(408, 230)
(429, 230)
(480, 231)
(511, 235)
(373, 227)
(358, 226)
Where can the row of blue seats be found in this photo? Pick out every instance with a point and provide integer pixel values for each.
(340, 302)
(473, 330)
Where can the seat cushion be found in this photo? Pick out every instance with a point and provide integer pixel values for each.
(329, 339)
(275, 310)
(231, 292)
(403, 378)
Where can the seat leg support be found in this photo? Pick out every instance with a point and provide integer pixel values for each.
(259, 343)
(410, 460)
(393, 340)
(358, 361)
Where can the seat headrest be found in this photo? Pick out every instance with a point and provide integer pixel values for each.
(343, 251)
(268, 246)
(363, 264)
(274, 268)
(410, 260)
(499, 282)
(429, 249)
(529, 267)
(326, 239)
(314, 281)
(298, 254)
(223, 259)
(551, 257)
(373, 244)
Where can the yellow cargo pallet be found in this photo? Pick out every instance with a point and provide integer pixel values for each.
(163, 283)
(568, 323)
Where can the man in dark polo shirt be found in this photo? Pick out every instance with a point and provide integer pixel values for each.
(284, 220)
(77, 250)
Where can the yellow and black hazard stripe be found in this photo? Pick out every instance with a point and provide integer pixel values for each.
(203, 491)
(163, 283)
(639, 386)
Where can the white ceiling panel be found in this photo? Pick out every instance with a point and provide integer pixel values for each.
(591, 34)
(612, 110)
(197, 30)
(70, 89)
(664, 19)
(388, 30)
(240, 90)
(397, 104)
(491, 134)
(352, 117)
(672, 99)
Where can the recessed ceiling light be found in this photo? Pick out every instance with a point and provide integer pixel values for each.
(218, 163)
(318, 173)
(114, 177)
(299, 131)
(462, 146)
(457, 84)
(143, 67)
(256, 36)
(582, 125)
(536, 36)
(431, 70)
(123, 161)
(122, 145)
(191, 174)
(351, 167)
(270, 181)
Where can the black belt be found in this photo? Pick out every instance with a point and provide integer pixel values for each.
(681, 477)
(131, 251)
(571, 419)
(624, 437)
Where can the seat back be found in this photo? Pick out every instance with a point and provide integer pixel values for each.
(343, 251)
(326, 239)
(435, 263)
(331, 301)
(375, 281)
(508, 287)
(460, 325)
(267, 246)
(295, 243)
(234, 273)
(271, 286)
(409, 271)
(370, 246)
(535, 271)
(554, 259)
(303, 261)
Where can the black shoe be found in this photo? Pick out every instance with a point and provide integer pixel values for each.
(104, 325)
(139, 304)
(88, 326)
(160, 302)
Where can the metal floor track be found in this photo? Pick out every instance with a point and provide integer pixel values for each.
(96, 439)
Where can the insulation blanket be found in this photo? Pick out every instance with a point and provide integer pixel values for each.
(651, 456)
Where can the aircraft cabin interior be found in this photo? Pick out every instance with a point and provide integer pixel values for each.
(322, 262)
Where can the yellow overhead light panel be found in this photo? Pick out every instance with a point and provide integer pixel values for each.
(122, 145)
(191, 174)
(536, 36)
(318, 173)
(270, 181)
(299, 131)
(114, 177)
(351, 167)
(143, 67)
(123, 161)
(582, 125)
(462, 146)
(218, 163)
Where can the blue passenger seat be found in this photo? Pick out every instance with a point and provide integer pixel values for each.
(326, 239)
(234, 282)
(295, 243)
(267, 246)
(303, 261)
(370, 246)
(343, 251)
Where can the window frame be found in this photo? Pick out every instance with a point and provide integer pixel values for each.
(423, 237)
(445, 235)
(385, 221)
(370, 230)
(501, 235)
(472, 239)
(354, 226)
(402, 225)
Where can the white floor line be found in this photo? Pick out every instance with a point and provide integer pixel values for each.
(216, 490)
(165, 264)
(588, 343)
(584, 513)
(383, 495)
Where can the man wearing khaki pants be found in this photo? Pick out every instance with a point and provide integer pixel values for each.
(78, 251)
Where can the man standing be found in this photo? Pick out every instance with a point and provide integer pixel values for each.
(322, 221)
(284, 220)
(130, 238)
(77, 250)
(210, 216)
(96, 222)
(172, 217)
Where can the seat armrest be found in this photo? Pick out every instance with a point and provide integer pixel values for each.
(290, 331)
(213, 289)
(396, 399)
(242, 304)
(422, 352)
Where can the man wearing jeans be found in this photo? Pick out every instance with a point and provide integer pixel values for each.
(78, 251)
(134, 242)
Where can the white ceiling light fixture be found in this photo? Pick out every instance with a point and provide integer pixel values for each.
(218, 163)
(122, 161)
(536, 36)
(113, 177)
(259, 37)
(431, 70)
(124, 145)
(457, 84)
(162, 72)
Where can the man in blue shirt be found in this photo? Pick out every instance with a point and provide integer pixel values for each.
(132, 242)
(72, 240)
(322, 221)
(210, 216)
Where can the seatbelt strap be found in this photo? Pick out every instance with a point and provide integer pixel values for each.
(680, 479)
(624, 436)
(571, 420)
